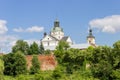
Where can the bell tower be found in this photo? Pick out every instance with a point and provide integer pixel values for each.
(90, 37)
(57, 31)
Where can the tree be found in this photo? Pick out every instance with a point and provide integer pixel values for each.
(41, 50)
(101, 62)
(1, 69)
(15, 64)
(116, 61)
(73, 60)
(34, 49)
(60, 50)
(47, 51)
(35, 68)
(62, 45)
(21, 46)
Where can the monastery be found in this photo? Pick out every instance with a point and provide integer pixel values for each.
(50, 41)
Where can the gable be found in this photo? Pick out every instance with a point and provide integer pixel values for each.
(49, 38)
(68, 39)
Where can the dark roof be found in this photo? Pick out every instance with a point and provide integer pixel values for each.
(54, 38)
(65, 38)
(51, 37)
(90, 34)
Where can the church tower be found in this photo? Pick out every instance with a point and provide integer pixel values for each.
(90, 37)
(57, 31)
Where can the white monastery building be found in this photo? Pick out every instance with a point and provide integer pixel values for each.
(50, 41)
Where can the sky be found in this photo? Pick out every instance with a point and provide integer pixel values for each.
(29, 19)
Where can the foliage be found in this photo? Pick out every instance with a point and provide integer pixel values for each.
(41, 50)
(57, 73)
(47, 51)
(21, 46)
(62, 46)
(60, 50)
(73, 60)
(35, 65)
(34, 48)
(15, 64)
(22, 77)
(1, 67)
(103, 61)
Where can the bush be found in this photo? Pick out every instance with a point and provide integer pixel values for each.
(15, 64)
(48, 52)
(35, 68)
(38, 77)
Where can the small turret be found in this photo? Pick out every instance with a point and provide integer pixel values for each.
(45, 34)
(90, 37)
(56, 23)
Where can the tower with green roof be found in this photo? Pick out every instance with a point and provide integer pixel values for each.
(90, 37)
(57, 31)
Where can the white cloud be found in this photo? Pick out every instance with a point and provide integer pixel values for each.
(3, 27)
(110, 24)
(18, 29)
(35, 29)
(30, 29)
(6, 43)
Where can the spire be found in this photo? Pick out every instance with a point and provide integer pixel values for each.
(90, 37)
(56, 23)
(45, 34)
(90, 34)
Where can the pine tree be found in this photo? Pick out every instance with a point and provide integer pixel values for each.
(35, 68)
(34, 49)
(41, 50)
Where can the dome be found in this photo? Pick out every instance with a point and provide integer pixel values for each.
(55, 29)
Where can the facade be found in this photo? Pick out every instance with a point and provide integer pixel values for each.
(50, 41)
(56, 34)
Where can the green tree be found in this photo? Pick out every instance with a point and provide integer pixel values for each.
(116, 61)
(15, 64)
(57, 73)
(60, 50)
(47, 51)
(21, 46)
(73, 60)
(34, 48)
(62, 45)
(35, 68)
(41, 50)
(1, 69)
(101, 62)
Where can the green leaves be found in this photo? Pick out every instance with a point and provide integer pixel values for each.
(21, 46)
(34, 48)
(1, 67)
(15, 64)
(35, 68)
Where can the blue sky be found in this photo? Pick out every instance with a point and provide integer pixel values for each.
(29, 19)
